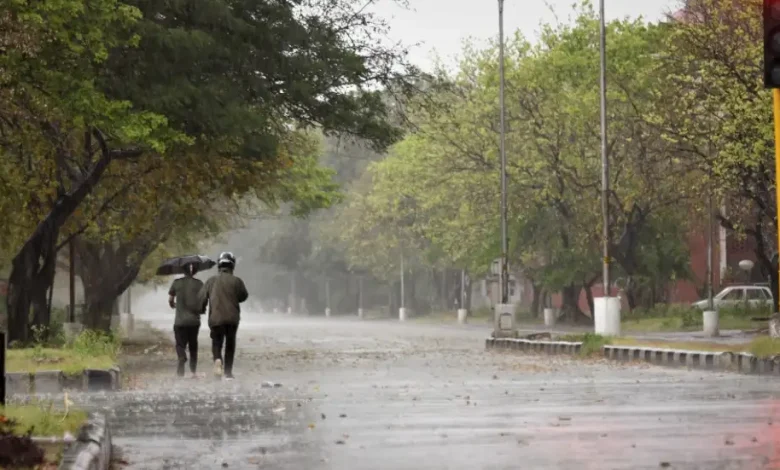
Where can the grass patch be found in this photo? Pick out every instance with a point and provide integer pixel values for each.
(665, 317)
(591, 342)
(43, 419)
(89, 350)
(664, 324)
(764, 347)
(68, 361)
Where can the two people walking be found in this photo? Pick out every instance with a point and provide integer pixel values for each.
(222, 294)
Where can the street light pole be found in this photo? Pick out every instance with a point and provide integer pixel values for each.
(604, 157)
(504, 280)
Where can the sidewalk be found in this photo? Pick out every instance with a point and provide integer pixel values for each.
(726, 336)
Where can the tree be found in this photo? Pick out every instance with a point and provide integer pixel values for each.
(448, 165)
(209, 79)
(59, 131)
(191, 205)
(719, 115)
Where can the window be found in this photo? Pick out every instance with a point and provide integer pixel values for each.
(756, 294)
(734, 294)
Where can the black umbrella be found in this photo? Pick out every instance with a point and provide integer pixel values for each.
(176, 265)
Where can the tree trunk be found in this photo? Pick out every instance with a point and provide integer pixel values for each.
(589, 295)
(536, 301)
(571, 294)
(107, 270)
(32, 274)
(33, 266)
(630, 292)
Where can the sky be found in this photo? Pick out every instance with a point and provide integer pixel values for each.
(441, 26)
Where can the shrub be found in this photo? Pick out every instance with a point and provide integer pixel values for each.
(591, 342)
(18, 451)
(746, 311)
(97, 343)
(692, 318)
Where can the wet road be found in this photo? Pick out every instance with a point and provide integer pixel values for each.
(379, 395)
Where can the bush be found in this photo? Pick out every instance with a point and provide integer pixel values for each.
(692, 318)
(746, 311)
(765, 347)
(97, 343)
(18, 451)
(662, 311)
(591, 342)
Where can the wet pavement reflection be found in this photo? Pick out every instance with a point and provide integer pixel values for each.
(376, 395)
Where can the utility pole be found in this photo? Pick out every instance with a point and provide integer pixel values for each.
(504, 279)
(504, 314)
(327, 297)
(2, 368)
(710, 277)
(72, 281)
(463, 288)
(360, 297)
(607, 284)
(403, 302)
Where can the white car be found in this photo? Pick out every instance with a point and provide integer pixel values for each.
(734, 296)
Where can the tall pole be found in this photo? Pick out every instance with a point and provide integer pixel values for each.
(710, 277)
(604, 157)
(504, 284)
(403, 303)
(72, 281)
(776, 109)
(327, 293)
(360, 293)
(463, 288)
(2, 368)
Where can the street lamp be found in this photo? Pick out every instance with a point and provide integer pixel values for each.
(503, 324)
(504, 288)
(606, 313)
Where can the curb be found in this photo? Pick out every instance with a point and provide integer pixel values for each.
(55, 381)
(92, 449)
(744, 363)
(549, 347)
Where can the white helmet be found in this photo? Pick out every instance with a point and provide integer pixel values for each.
(226, 259)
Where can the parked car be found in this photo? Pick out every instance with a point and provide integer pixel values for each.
(743, 295)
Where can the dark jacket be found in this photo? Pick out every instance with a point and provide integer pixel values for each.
(189, 308)
(223, 293)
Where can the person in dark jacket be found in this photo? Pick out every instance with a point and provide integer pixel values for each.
(184, 297)
(223, 293)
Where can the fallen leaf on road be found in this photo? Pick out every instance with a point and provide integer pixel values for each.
(311, 425)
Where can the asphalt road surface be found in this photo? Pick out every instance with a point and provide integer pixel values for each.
(383, 395)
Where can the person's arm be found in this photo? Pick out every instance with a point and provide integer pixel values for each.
(242, 294)
(203, 295)
(200, 302)
(172, 295)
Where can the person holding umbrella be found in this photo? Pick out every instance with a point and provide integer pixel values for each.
(183, 297)
(223, 293)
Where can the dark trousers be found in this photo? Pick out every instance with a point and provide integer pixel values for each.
(224, 334)
(186, 337)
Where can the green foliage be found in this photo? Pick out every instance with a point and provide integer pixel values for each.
(592, 343)
(436, 194)
(97, 343)
(43, 419)
(765, 347)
